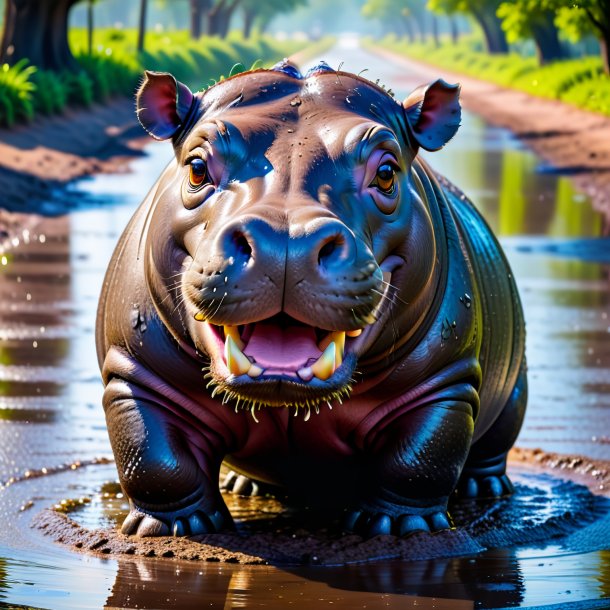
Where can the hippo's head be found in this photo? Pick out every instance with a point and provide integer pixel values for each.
(290, 241)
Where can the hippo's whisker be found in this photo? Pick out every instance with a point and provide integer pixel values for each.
(219, 306)
(394, 295)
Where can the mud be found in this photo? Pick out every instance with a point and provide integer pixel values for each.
(542, 508)
(594, 474)
(37, 160)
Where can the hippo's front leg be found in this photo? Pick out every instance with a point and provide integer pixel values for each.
(413, 466)
(171, 481)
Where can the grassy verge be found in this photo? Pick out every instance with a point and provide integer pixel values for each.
(115, 68)
(580, 82)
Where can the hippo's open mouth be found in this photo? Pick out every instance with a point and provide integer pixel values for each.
(279, 361)
(282, 346)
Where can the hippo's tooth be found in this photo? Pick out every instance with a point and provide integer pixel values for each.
(339, 340)
(254, 371)
(199, 316)
(306, 374)
(237, 363)
(354, 333)
(231, 331)
(324, 366)
(338, 336)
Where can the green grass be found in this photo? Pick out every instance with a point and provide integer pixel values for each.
(16, 93)
(115, 68)
(580, 82)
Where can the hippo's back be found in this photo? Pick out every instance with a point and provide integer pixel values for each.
(503, 328)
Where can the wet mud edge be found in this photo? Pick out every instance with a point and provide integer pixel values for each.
(489, 527)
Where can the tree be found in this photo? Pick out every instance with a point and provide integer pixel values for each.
(399, 16)
(198, 8)
(255, 11)
(533, 19)
(142, 24)
(584, 17)
(484, 13)
(38, 30)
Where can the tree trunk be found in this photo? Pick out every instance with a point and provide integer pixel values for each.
(546, 39)
(455, 34)
(224, 21)
(604, 47)
(90, 27)
(602, 25)
(408, 27)
(142, 25)
(437, 42)
(197, 10)
(196, 15)
(38, 31)
(495, 39)
(249, 16)
(421, 26)
(215, 18)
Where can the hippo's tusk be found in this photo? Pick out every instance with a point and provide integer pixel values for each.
(237, 363)
(325, 366)
(231, 331)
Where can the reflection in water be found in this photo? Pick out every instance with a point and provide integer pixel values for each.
(604, 573)
(389, 585)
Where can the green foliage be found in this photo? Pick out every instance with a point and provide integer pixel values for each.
(593, 94)
(110, 74)
(78, 87)
(573, 22)
(51, 95)
(519, 16)
(115, 68)
(581, 82)
(16, 93)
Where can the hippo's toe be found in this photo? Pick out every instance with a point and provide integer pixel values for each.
(485, 487)
(369, 524)
(240, 484)
(192, 521)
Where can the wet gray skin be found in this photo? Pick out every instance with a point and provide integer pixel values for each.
(51, 392)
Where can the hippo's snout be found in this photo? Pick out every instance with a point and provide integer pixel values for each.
(279, 307)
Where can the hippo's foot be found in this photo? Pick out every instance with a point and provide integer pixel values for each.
(485, 487)
(370, 523)
(189, 521)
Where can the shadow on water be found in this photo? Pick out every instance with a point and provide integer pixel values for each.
(50, 392)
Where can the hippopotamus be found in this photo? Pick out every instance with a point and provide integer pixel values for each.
(301, 297)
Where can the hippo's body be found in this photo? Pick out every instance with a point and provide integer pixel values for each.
(298, 295)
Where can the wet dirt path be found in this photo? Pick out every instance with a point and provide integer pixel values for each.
(52, 430)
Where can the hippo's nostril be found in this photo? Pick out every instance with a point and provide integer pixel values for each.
(241, 244)
(332, 250)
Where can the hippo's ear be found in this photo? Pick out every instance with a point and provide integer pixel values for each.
(434, 113)
(162, 104)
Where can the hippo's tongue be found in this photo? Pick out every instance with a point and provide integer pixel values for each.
(282, 349)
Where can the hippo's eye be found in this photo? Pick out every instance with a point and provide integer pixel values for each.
(198, 173)
(385, 179)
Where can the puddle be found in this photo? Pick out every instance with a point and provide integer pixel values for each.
(50, 396)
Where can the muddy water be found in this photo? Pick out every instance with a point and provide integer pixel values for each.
(52, 432)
